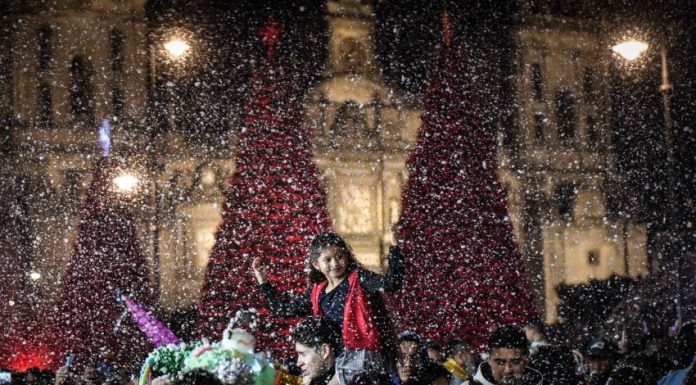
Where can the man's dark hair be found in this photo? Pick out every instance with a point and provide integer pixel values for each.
(508, 337)
(556, 364)
(458, 346)
(410, 337)
(434, 345)
(432, 372)
(315, 331)
(370, 377)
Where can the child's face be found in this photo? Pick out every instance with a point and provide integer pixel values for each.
(332, 262)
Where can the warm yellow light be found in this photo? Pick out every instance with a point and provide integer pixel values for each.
(176, 48)
(126, 183)
(35, 276)
(631, 49)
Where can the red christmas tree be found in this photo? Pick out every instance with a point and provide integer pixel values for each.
(107, 260)
(274, 206)
(18, 327)
(463, 272)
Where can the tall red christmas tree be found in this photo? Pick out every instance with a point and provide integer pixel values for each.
(107, 260)
(464, 271)
(274, 206)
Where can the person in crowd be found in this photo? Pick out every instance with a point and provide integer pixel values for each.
(535, 335)
(36, 376)
(412, 357)
(434, 373)
(508, 358)
(91, 375)
(556, 363)
(682, 349)
(461, 363)
(64, 376)
(317, 343)
(691, 376)
(337, 279)
(435, 353)
(370, 377)
(629, 375)
(599, 355)
(197, 377)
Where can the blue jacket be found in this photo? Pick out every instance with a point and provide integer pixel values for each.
(677, 377)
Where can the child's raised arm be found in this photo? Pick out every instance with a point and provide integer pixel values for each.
(259, 270)
(280, 304)
(390, 282)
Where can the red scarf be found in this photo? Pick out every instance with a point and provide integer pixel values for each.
(359, 329)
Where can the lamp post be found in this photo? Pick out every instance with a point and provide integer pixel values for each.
(631, 50)
(176, 49)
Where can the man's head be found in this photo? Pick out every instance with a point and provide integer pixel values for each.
(599, 355)
(411, 355)
(462, 353)
(317, 343)
(434, 351)
(508, 350)
(534, 331)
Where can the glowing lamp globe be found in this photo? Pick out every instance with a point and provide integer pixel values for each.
(631, 49)
(126, 183)
(176, 48)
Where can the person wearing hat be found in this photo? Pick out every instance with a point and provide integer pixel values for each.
(600, 355)
(508, 356)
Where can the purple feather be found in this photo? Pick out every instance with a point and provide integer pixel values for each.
(158, 332)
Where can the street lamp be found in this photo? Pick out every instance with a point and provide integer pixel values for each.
(168, 48)
(176, 47)
(631, 50)
(126, 183)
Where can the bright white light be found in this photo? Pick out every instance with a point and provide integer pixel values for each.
(176, 48)
(12, 303)
(631, 49)
(126, 183)
(34, 275)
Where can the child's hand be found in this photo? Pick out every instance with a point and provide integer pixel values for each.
(259, 271)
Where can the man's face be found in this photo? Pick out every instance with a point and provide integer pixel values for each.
(90, 375)
(408, 360)
(434, 355)
(464, 357)
(507, 363)
(312, 362)
(597, 366)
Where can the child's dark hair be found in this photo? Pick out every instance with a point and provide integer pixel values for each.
(319, 243)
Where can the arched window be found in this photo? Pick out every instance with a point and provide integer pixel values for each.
(81, 91)
(350, 121)
(537, 83)
(45, 37)
(116, 40)
(565, 117)
(45, 105)
(565, 195)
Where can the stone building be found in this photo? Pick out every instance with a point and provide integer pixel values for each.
(72, 64)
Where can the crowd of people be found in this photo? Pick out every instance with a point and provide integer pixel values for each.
(347, 338)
